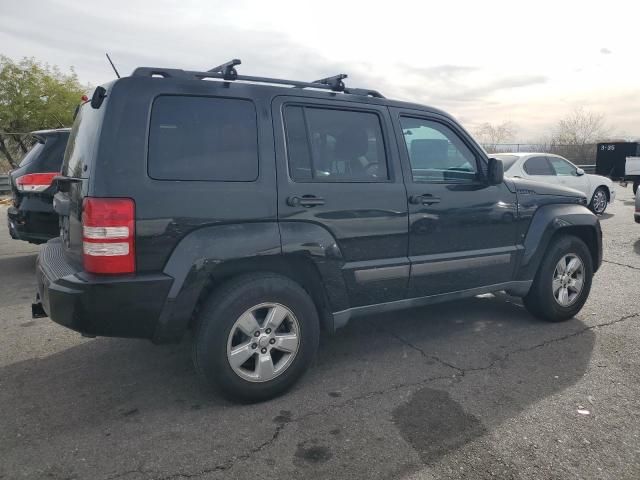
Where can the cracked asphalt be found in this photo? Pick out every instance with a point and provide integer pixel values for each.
(471, 389)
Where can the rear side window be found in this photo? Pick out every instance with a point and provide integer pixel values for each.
(82, 143)
(203, 138)
(330, 145)
(32, 154)
(538, 166)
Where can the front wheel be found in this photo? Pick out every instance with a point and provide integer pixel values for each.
(563, 282)
(599, 201)
(256, 336)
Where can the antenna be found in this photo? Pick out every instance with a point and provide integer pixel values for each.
(112, 65)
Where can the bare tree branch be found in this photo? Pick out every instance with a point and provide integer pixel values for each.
(491, 135)
(7, 154)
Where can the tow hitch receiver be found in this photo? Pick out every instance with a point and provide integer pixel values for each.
(36, 309)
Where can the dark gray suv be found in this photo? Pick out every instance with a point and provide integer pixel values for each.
(259, 211)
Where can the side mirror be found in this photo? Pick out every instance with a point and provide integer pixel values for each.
(495, 173)
(579, 171)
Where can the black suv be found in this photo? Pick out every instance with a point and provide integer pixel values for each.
(259, 211)
(31, 216)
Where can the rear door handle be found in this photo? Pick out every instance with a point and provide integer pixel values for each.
(304, 201)
(426, 199)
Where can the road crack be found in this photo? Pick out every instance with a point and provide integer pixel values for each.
(422, 352)
(461, 372)
(493, 363)
(621, 264)
(221, 467)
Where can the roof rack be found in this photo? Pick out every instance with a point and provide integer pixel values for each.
(228, 72)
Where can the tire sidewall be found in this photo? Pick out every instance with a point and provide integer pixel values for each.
(599, 189)
(563, 246)
(220, 314)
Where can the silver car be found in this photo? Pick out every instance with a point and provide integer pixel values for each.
(550, 168)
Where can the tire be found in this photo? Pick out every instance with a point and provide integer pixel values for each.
(635, 186)
(255, 296)
(541, 300)
(599, 201)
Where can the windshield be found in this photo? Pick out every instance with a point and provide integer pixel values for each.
(507, 160)
(32, 154)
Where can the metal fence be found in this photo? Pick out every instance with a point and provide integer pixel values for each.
(578, 154)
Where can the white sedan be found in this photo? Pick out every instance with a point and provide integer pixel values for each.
(549, 168)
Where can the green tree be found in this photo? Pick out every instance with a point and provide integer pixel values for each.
(33, 96)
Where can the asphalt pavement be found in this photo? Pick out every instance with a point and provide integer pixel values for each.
(471, 389)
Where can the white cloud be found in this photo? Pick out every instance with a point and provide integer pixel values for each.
(481, 61)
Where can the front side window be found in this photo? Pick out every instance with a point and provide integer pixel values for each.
(437, 153)
(562, 167)
(330, 145)
(203, 138)
(538, 166)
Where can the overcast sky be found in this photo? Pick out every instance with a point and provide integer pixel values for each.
(482, 61)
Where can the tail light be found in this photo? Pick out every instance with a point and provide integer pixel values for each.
(108, 235)
(35, 182)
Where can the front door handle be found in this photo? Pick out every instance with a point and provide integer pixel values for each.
(426, 199)
(304, 201)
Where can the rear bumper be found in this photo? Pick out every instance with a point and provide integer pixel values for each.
(33, 221)
(123, 306)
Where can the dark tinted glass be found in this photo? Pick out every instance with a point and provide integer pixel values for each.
(298, 150)
(202, 138)
(335, 145)
(82, 141)
(437, 153)
(538, 166)
(32, 154)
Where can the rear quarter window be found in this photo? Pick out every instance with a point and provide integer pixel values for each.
(32, 154)
(203, 138)
(83, 139)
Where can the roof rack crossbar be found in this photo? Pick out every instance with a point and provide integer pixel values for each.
(219, 73)
(228, 69)
(336, 82)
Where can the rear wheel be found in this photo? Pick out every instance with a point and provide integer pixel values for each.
(635, 186)
(599, 201)
(256, 336)
(563, 282)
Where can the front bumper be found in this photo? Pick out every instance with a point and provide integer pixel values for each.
(94, 305)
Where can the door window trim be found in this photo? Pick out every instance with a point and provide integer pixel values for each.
(406, 157)
(391, 176)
